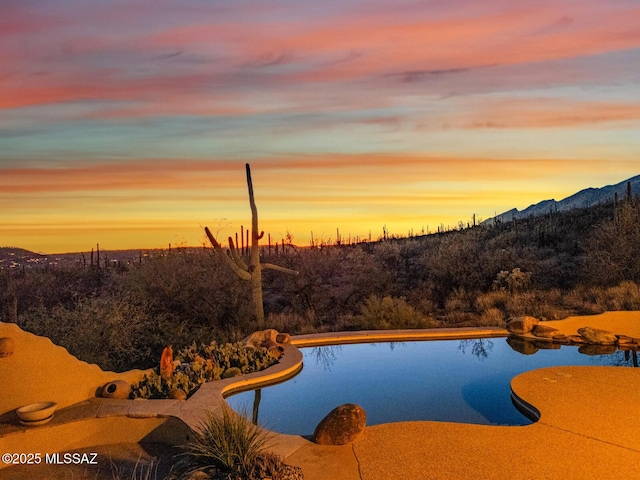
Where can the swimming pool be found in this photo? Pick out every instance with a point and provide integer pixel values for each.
(466, 381)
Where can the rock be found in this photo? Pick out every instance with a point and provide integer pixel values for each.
(6, 347)
(269, 339)
(116, 389)
(283, 338)
(177, 394)
(597, 336)
(543, 331)
(256, 339)
(521, 325)
(522, 346)
(342, 425)
(575, 340)
(231, 372)
(624, 340)
(592, 349)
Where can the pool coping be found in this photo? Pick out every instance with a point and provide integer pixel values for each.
(366, 336)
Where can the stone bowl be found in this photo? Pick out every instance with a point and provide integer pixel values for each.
(36, 412)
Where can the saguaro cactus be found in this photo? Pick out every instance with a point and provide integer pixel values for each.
(253, 271)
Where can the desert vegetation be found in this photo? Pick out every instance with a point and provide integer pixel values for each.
(229, 447)
(578, 262)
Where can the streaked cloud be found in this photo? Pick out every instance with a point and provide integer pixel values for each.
(358, 113)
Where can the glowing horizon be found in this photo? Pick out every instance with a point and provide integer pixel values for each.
(129, 123)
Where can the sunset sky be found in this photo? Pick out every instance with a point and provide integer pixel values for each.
(128, 123)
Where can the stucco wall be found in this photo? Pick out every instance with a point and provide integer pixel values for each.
(39, 371)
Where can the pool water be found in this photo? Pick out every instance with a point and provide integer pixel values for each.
(466, 381)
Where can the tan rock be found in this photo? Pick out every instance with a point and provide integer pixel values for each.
(231, 372)
(597, 336)
(256, 339)
(575, 340)
(521, 325)
(283, 338)
(544, 331)
(177, 394)
(341, 426)
(624, 340)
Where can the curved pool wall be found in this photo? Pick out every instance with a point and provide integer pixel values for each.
(463, 381)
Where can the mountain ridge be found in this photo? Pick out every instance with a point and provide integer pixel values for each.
(582, 199)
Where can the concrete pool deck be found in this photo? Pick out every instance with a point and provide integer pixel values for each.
(589, 423)
(588, 427)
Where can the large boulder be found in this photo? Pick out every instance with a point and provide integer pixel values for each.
(521, 325)
(342, 425)
(597, 336)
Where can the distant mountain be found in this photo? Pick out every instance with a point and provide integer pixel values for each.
(582, 199)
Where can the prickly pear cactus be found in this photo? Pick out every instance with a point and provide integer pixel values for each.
(201, 364)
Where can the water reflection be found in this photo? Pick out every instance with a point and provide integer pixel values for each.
(326, 356)
(597, 349)
(323, 357)
(522, 346)
(634, 356)
(480, 347)
(610, 354)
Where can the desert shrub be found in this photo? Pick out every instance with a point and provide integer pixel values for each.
(458, 319)
(453, 261)
(625, 296)
(332, 281)
(585, 300)
(492, 317)
(495, 299)
(459, 301)
(228, 446)
(390, 312)
(421, 300)
(519, 304)
(293, 323)
(139, 471)
(547, 311)
(611, 248)
(188, 292)
(111, 333)
(514, 281)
